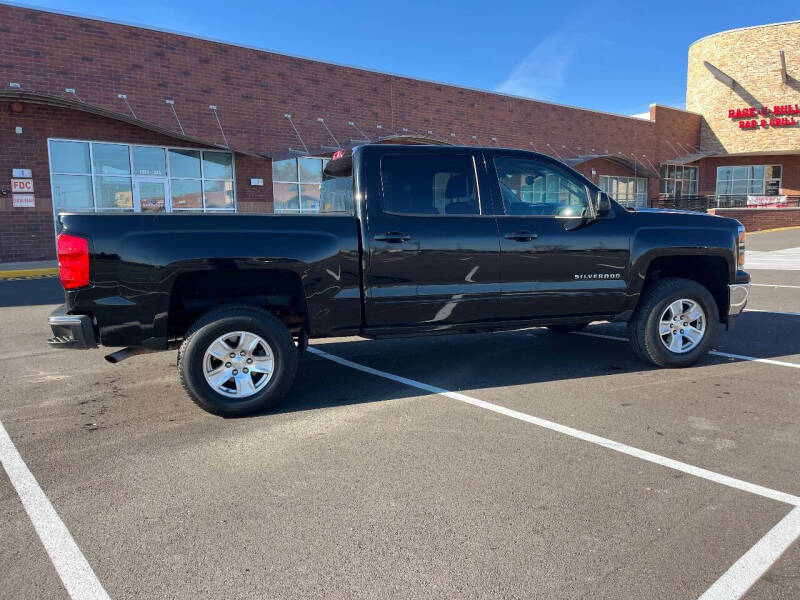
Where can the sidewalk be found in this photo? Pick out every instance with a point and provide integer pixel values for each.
(39, 268)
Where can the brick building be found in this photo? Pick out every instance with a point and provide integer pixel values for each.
(102, 116)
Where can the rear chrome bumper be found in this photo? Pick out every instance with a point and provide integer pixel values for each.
(71, 331)
(737, 294)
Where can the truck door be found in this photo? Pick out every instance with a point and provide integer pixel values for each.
(432, 254)
(552, 262)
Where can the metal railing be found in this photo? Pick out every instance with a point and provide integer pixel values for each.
(703, 203)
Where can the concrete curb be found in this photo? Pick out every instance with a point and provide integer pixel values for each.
(29, 273)
(773, 230)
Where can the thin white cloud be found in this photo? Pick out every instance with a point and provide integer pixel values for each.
(540, 75)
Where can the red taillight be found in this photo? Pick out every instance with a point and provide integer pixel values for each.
(73, 261)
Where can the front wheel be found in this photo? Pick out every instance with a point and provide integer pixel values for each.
(675, 323)
(237, 360)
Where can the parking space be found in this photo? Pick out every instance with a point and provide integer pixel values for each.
(437, 485)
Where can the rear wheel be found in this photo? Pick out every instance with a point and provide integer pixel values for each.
(567, 327)
(675, 323)
(237, 360)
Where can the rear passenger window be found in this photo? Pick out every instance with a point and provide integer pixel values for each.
(429, 185)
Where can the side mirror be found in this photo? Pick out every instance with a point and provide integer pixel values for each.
(603, 204)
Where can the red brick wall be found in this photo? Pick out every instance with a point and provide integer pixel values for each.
(758, 219)
(27, 233)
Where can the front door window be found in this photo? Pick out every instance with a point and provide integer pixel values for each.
(151, 195)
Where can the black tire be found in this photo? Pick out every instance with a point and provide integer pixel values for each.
(567, 327)
(643, 328)
(233, 318)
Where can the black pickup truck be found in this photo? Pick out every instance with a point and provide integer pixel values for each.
(427, 239)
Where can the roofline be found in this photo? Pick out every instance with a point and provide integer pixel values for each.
(710, 35)
(306, 58)
(683, 110)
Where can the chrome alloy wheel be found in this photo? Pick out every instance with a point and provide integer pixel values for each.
(238, 364)
(682, 326)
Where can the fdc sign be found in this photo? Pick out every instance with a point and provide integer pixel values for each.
(22, 186)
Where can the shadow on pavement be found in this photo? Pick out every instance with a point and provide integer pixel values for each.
(497, 360)
(31, 292)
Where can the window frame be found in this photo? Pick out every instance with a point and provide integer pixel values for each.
(671, 177)
(299, 183)
(627, 179)
(133, 176)
(749, 180)
(578, 181)
(469, 155)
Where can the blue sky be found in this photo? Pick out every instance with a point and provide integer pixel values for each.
(612, 56)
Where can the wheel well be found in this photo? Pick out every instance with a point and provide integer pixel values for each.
(278, 291)
(709, 271)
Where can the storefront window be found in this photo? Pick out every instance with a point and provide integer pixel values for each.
(113, 192)
(297, 187)
(72, 192)
(70, 157)
(111, 159)
(217, 165)
(148, 160)
(186, 194)
(735, 183)
(218, 194)
(97, 176)
(184, 163)
(628, 191)
(678, 180)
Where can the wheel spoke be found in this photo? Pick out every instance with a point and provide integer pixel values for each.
(676, 344)
(664, 328)
(676, 308)
(218, 377)
(219, 350)
(247, 342)
(261, 365)
(244, 386)
(693, 334)
(694, 313)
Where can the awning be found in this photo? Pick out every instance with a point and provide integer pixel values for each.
(63, 102)
(636, 167)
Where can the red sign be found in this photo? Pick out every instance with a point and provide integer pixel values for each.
(780, 115)
(22, 186)
(766, 202)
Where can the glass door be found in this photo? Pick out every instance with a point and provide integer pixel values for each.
(151, 195)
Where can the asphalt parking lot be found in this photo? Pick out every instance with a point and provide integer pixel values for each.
(507, 465)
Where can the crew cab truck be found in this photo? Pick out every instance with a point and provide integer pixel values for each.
(427, 239)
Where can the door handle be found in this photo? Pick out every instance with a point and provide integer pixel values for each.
(522, 236)
(392, 237)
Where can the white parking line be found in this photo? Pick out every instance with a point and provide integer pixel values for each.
(769, 361)
(74, 570)
(755, 562)
(774, 285)
(572, 432)
(787, 259)
(735, 582)
(776, 312)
